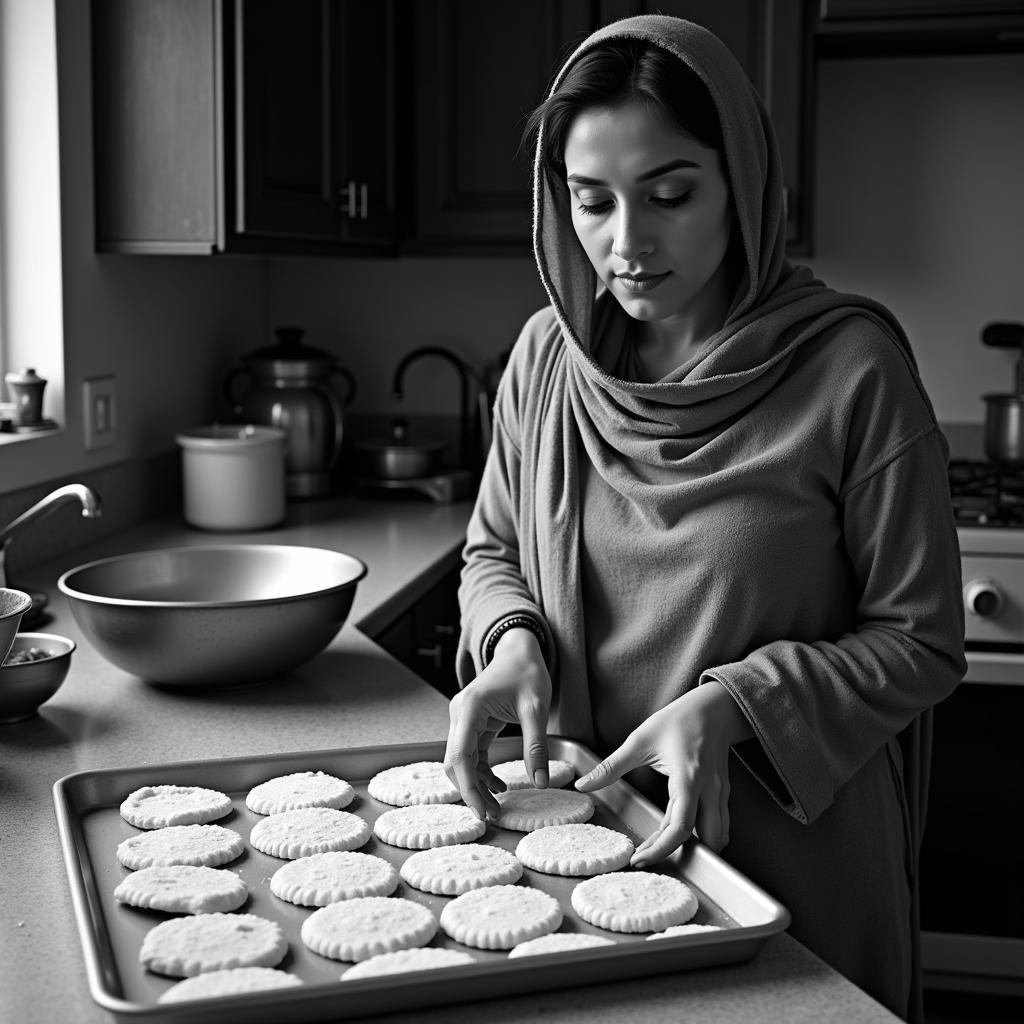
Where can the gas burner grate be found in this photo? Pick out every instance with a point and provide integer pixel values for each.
(986, 494)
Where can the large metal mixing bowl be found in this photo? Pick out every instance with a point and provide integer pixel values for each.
(213, 616)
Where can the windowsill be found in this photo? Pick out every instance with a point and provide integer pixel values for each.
(13, 436)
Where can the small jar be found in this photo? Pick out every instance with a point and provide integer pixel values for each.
(233, 476)
(26, 390)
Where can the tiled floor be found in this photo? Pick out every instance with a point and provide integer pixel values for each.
(967, 1008)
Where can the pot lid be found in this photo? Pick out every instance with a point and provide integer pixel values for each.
(290, 349)
(231, 437)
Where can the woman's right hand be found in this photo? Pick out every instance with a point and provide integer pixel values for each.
(514, 687)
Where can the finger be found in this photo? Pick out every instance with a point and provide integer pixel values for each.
(712, 826)
(534, 724)
(676, 828)
(613, 767)
(460, 763)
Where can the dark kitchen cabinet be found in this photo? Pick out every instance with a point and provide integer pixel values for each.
(866, 28)
(772, 43)
(480, 69)
(480, 73)
(252, 126)
(425, 638)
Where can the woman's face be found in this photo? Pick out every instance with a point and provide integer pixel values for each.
(652, 210)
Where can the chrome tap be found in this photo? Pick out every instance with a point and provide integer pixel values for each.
(467, 457)
(91, 508)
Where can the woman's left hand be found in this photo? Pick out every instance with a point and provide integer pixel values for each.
(688, 741)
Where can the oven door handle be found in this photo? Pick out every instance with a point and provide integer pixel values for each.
(1002, 667)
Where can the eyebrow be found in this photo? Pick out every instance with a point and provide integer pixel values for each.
(657, 172)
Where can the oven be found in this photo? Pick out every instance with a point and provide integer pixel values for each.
(972, 858)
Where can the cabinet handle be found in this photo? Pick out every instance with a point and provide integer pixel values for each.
(445, 630)
(348, 193)
(433, 653)
(364, 201)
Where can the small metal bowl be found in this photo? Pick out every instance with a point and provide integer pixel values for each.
(25, 685)
(399, 457)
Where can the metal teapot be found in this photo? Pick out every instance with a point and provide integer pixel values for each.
(289, 386)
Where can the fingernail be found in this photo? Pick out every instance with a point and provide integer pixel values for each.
(582, 781)
(540, 778)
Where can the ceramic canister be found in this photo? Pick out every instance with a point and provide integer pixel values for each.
(234, 476)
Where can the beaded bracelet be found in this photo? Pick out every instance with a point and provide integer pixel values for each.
(515, 622)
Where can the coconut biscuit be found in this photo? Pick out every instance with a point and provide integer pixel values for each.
(186, 946)
(161, 806)
(367, 926)
(420, 959)
(423, 782)
(559, 942)
(199, 845)
(427, 825)
(578, 849)
(300, 789)
(324, 878)
(230, 982)
(182, 889)
(634, 901)
(524, 810)
(308, 830)
(513, 774)
(500, 916)
(453, 870)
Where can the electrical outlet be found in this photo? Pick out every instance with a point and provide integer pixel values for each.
(99, 411)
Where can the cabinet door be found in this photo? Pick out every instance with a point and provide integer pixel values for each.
(157, 125)
(771, 42)
(313, 143)
(481, 68)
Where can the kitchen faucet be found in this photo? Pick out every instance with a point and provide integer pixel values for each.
(467, 457)
(91, 508)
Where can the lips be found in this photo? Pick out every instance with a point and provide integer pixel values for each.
(640, 282)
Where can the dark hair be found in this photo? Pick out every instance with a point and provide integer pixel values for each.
(617, 71)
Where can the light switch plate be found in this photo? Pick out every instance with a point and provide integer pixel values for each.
(99, 411)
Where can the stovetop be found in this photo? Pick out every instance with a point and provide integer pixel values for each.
(986, 494)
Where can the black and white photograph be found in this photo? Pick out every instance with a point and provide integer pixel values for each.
(511, 510)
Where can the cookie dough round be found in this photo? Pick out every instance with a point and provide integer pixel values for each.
(324, 878)
(423, 782)
(685, 929)
(513, 774)
(634, 901)
(500, 916)
(308, 830)
(161, 806)
(579, 849)
(367, 926)
(230, 982)
(524, 810)
(427, 825)
(421, 959)
(182, 889)
(559, 942)
(198, 845)
(453, 870)
(300, 789)
(187, 946)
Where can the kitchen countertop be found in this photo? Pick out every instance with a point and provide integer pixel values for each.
(352, 694)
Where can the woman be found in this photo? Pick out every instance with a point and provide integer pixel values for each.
(714, 536)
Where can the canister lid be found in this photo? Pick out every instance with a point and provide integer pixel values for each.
(290, 354)
(231, 436)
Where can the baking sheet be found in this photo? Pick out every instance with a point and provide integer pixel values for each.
(91, 828)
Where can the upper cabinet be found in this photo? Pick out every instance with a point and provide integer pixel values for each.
(253, 126)
(340, 126)
(858, 28)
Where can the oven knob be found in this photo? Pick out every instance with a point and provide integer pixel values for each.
(983, 598)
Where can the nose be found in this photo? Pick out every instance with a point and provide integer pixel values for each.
(632, 239)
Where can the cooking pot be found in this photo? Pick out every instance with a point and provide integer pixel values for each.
(288, 385)
(398, 457)
(1004, 413)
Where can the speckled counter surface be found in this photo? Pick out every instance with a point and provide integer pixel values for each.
(353, 694)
